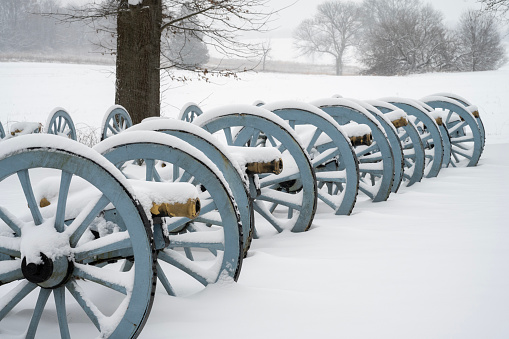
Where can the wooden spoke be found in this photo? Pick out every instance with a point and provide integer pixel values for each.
(86, 304)
(164, 281)
(11, 221)
(102, 276)
(86, 216)
(185, 265)
(24, 179)
(65, 182)
(12, 298)
(36, 316)
(264, 212)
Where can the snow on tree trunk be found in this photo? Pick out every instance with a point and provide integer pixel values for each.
(138, 58)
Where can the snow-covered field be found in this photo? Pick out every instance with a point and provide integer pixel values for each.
(431, 262)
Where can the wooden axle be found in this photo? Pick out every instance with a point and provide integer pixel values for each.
(189, 209)
(365, 139)
(439, 121)
(274, 166)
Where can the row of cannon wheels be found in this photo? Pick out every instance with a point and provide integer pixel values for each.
(321, 164)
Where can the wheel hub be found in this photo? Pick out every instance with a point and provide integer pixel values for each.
(49, 273)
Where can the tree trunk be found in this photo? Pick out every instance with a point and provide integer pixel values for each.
(138, 58)
(339, 66)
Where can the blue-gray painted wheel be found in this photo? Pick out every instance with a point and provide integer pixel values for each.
(392, 136)
(286, 201)
(467, 141)
(59, 122)
(189, 112)
(49, 248)
(2, 132)
(218, 154)
(202, 250)
(376, 161)
(115, 120)
(332, 155)
(413, 150)
(429, 131)
(471, 108)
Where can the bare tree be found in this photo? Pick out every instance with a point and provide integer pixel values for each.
(140, 26)
(266, 48)
(496, 6)
(403, 36)
(480, 44)
(184, 48)
(331, 31)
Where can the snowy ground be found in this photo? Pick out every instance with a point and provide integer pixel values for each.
(431, 262)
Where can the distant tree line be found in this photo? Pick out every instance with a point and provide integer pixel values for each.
(22, 30)
(393, 37)
(34, 27)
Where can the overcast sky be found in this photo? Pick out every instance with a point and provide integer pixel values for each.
(297, 10)
(288, 19)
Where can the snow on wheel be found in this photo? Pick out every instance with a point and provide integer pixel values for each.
(115, 120)
(376, 164)
(431, 137)
(59, 122)
(218, 154)
(286, 201)
(49, 250)
(332, 155)
(392, 136)
(195, 252)
(466, 139)
(189, 112)
(413, 151)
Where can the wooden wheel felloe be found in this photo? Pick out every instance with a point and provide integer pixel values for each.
(52, 251)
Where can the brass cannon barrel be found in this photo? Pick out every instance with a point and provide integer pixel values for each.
(401, 122)
(189, 209)
(274, 166)
(365, 139)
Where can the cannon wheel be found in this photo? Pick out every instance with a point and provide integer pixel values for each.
(413, 151)
(468, 105)
(287, 200)
(431, 138)
(201, 250)
(115, 120)
(2, 132)
(465, 135)
(376, 164)
(394, 142)
(209, 145)
(336, 166)
(189, 112)
(59, 122)
(67, 250)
